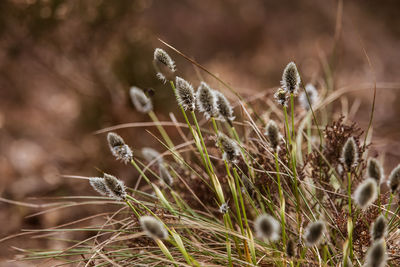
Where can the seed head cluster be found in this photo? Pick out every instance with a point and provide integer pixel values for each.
(281, 97)
(349, 154)
(394, 180)
(375, 170)
(150, 154)
(139, 99)
(165, 176)
(98, 184)
(185, 94)
(163, 61)
(290, 78)
(231, 151)
(379, 228)
(273, 135)
(312, 98)
(376, 255)
(116, 187)
(153, 227)
(366, 193)
(224, 108)
(118, 148)
(267, 227)
(314, 233)
(206, 101)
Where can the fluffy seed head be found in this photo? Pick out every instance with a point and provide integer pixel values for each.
(375, 170)
(118, 148)
(394, 179)
(116, 188)
(98, 184)
(224, 108)
(349, 154)
(249, 186)
(273, 135)
(161, 56)
(291, 248)
(379, 228)
(150, 154)
(312, 97)
(224, 208)
(153, 227)
(376, 255)
(206, 101)
(281, 97)
(139, 99)
(290, 78)
(366, 193)
(313, 233)
(185, 94)
(163, 64)
(165, 176)
(267, 227)
(231, 151)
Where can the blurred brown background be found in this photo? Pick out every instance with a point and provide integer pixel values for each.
(66, 67)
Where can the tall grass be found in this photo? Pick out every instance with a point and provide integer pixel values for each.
(223, 197)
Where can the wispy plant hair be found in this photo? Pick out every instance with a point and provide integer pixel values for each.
(206, 101)
(116, 187)
(118, 148)
(312, 96)
(231, 151)
(224, 208)
(314, 233)
(185, 94)
(366, 193)
(290, 78)
(150, 154)
(376, 255)
(379, 228)
(281, 97)
(349, 154)
(140, 100)
(267, 227)
(153, 227)
(98, 184)
(161, 57)
(165, 176)
(394, 179)
(273, 135)
(224, 108)
(375, 170)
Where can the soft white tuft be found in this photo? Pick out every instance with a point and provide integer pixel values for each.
(366, 193)
(153, 227)
(267, 227)
(139, 99)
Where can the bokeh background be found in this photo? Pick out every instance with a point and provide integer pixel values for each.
(66, 67)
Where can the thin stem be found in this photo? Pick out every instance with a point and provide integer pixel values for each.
(281, 199)
(350, 218)
(132, 208)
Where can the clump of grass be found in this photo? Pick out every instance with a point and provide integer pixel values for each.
(250, 206)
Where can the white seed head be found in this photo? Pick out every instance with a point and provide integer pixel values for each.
(376, 255)
(267, 227)
(150, 155)
(140, 100)
(153, 227)
(375, 170)
(312, 97)
(281, 97)
(116, 187)
(165, 176)
(366, 193)
(118, 148)
(224, 108)
(185, 94)
(98, 184)
(290, 78)
(231, 151)
(224, 208)
(394, 180)
(273, 135)
(349, 154)
(379, 228)
(206, 101)
(161, 56)
(314, 233)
